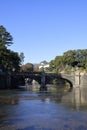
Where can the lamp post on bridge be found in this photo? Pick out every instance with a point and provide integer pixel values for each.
(43, 80)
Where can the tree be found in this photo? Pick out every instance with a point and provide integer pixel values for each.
(8, 59)
(51, 66)
(5, 37)
(14, 61)
(28, 67)
(70, 59)
(21, 55)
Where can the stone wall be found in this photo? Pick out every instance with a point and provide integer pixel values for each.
(83, 79)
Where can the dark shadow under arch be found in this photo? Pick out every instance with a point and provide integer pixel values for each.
(71, 84)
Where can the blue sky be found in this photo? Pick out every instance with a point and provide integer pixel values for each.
(44, 29)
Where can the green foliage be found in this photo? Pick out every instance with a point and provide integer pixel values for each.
(5, 37)
(51, 65)
(70, 59)
(21, 55)
(9, 60)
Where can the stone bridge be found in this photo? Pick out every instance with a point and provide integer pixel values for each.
(74, 79)
(14, 79)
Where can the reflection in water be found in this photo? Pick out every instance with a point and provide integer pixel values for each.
(9, 100)
(77, 98)
(51, 110)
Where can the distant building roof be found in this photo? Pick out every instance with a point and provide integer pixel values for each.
(43, 62)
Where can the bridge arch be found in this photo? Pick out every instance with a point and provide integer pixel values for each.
(69, 78)
(71, 84)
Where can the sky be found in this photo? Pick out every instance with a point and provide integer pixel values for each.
(44, 29)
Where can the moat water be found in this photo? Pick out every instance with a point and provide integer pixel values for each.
(52, 110)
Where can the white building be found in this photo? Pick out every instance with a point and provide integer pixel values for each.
(44, 65)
